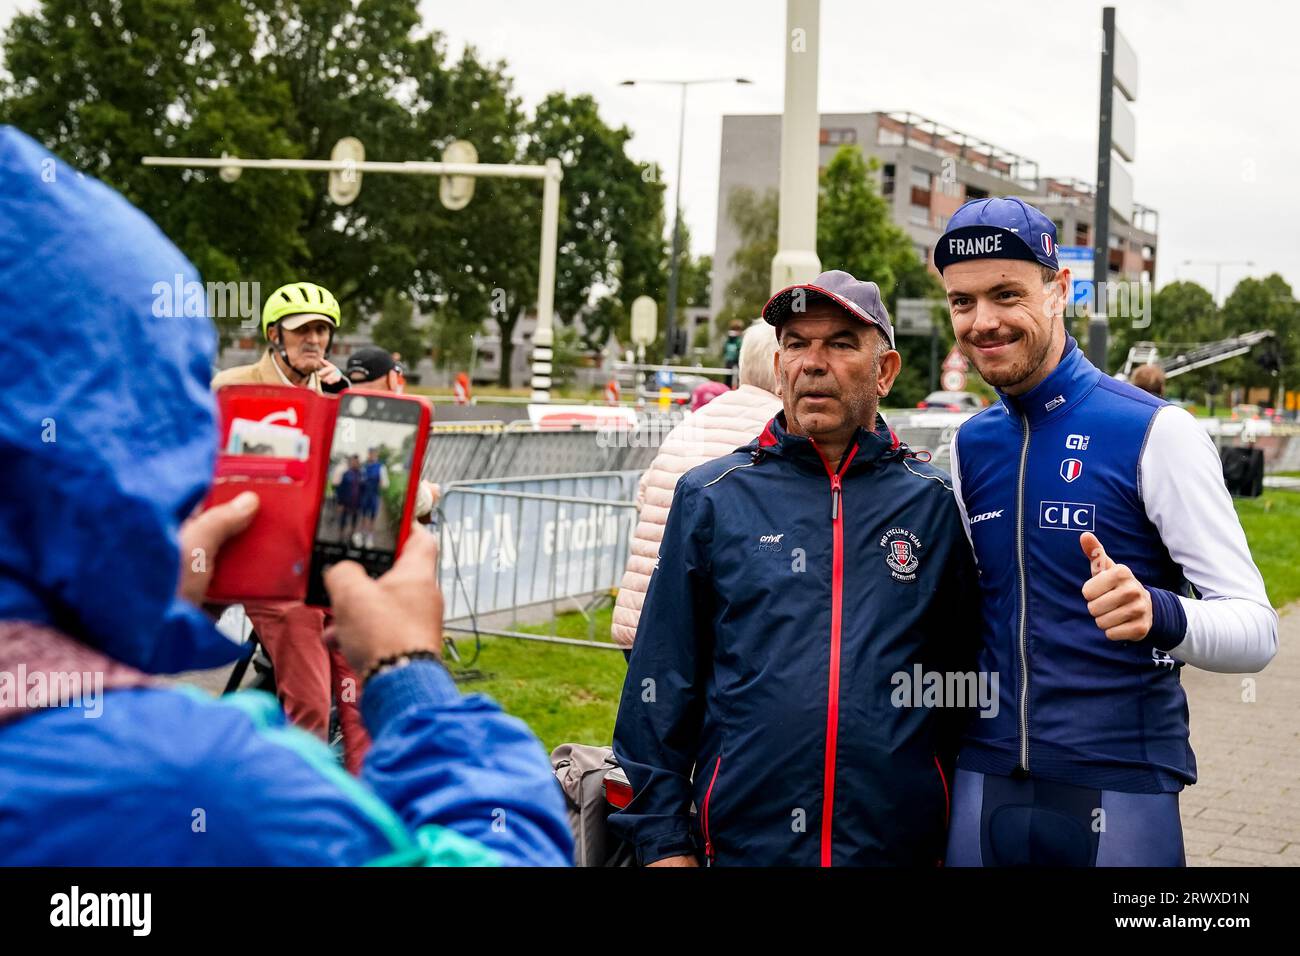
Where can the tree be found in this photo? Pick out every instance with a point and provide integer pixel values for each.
(568, 353)
(855, 233)
(1257, 304)
(611, 220)
(395, 330)
(755, 217)
(104, 82)
(1181, 314)
(696, 282)
(610, 230)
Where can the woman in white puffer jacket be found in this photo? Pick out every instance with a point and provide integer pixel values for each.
(728, 422)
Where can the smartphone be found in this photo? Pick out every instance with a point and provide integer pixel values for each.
(369, 491)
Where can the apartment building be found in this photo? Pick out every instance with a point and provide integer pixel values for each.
(927, 170)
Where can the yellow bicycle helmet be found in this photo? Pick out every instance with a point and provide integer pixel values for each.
(296, 298)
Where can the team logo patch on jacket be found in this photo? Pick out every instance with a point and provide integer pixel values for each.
(1071, 469)
(901, 548)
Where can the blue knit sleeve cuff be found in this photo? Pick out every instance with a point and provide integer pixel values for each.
(417, 684)
(1168, 620)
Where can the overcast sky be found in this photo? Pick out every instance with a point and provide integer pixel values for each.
(1218, 145)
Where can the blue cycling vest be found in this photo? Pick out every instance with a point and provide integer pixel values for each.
(1035, 471)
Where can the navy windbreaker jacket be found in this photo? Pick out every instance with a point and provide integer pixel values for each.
(787, 597)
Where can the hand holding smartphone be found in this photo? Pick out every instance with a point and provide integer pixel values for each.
(337, 479)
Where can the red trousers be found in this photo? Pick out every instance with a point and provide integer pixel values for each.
(307, 674)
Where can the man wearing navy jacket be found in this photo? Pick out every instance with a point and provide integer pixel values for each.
(802, 581)
(1109, 557)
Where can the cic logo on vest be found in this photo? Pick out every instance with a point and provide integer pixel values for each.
(1066, 516)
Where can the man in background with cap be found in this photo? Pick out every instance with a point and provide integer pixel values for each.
(802, 581)
(375, 368)
(1098, 516)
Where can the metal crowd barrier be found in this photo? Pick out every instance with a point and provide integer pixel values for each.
(478, 452)
(936, 439)
(469, 451)
(561, 540)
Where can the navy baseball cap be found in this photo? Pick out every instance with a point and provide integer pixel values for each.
(997, 229)
(861, 300)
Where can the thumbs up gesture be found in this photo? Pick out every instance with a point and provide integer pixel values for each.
(1117, 601)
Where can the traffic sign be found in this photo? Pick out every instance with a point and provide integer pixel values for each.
(955, 362)
(916, 316)
(645, 320)
(345, 184)
(1079, 260)
(953, 381)
(456, 191)
(228, 174)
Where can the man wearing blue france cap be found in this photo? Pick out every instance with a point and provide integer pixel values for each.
(1110, 556)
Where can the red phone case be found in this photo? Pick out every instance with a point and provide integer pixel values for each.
(270, 560)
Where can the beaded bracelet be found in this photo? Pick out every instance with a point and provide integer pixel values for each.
(398, 660)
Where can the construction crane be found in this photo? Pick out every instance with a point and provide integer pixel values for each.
(1198, 356)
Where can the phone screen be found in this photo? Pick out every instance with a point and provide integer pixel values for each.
(365, 488)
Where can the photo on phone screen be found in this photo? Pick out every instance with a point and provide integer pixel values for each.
(365, 487)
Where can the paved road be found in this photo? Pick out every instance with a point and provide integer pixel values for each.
(1245, 808)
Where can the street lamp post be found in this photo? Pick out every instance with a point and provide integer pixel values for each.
(796, 250)
(1218, 268)
(670, 322)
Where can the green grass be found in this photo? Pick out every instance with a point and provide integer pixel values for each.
(570, 694)
(565, 694)
(1272, 525)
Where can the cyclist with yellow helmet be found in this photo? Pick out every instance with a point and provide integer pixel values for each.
(299, 321)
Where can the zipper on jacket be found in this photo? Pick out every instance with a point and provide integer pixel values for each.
(947, 799)
(833, 694)
(704, 813)
(1024, 600)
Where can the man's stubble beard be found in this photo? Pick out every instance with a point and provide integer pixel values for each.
(1017, 373)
